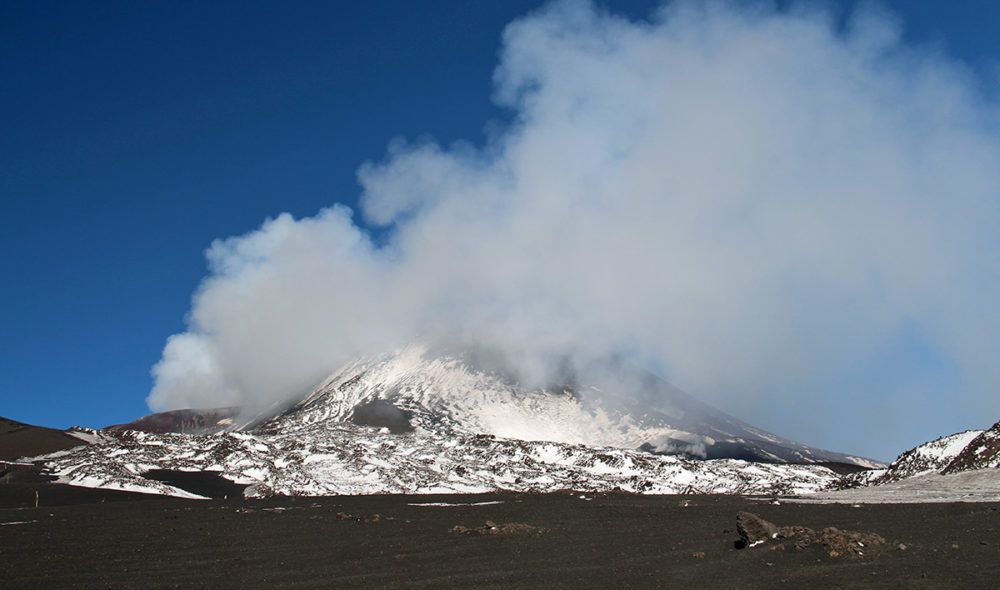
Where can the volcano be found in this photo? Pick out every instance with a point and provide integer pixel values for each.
(421, 420)
(612, 403)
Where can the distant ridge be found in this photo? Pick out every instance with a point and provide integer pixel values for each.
(19, 440)
(209, 421)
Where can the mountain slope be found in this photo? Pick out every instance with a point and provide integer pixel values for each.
(183, 421)
(982, 452)
(963, 451)
(24, 440)
(614, 404)
(961, 467)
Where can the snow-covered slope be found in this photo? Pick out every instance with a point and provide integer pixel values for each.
(615, 405)
(338, 458)
(961, 467)
(982, 452)
(928, 458)
(957, 468)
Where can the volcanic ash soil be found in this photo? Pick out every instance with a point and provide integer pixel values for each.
(79, 539)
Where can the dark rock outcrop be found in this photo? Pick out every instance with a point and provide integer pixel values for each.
(381, 413)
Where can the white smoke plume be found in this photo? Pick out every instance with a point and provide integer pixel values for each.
(761, 205)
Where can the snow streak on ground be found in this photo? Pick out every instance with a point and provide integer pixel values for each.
(450, 504)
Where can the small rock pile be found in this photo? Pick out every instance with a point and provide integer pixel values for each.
(754, 531)
(366, 518)
(492, 528)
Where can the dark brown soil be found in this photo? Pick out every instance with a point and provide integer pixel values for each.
(611, 541)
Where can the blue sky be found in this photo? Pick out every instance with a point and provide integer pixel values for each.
(134, 134)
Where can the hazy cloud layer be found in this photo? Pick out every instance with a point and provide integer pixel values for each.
(784, 217)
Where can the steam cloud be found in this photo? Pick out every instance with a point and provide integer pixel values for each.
(759, 204)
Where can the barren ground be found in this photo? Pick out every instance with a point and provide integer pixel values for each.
(612, 541)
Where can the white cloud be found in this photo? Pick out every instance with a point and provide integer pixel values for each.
(750, 201)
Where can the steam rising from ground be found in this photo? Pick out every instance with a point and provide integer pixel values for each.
(754, 203)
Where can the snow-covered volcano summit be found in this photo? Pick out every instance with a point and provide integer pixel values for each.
(611, 404)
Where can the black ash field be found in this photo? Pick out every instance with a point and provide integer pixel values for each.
(101, 539)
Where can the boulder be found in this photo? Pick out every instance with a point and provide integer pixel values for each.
(753, 529)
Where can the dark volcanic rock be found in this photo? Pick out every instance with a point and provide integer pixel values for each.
(382, 414)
